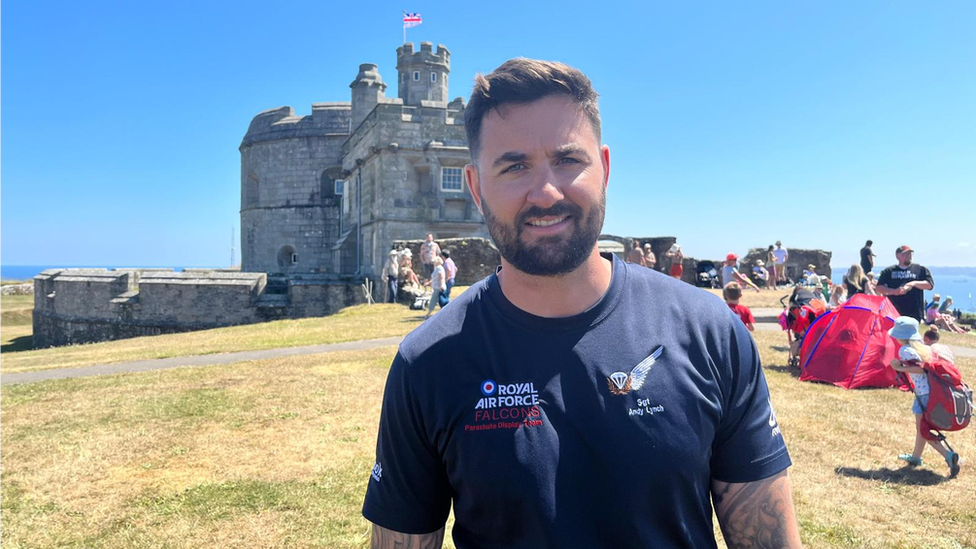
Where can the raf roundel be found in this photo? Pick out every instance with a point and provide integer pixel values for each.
(488, 387)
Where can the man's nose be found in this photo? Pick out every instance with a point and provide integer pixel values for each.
(546, 189)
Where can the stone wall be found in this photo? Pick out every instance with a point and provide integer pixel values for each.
(87, 305)
(796, 263)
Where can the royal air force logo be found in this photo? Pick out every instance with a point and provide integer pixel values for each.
(621, 383)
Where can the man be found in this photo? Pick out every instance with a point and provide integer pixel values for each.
(635, 255)
(428, 251)
(650, 260)
(571, 399)
(781, 255)
(905, 283)
(867, 257)
(391, 270)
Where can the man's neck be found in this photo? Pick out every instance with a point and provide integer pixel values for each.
(904, 265)
(558, 296)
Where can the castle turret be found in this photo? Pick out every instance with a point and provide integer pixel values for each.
(367, 90)
(423, 74)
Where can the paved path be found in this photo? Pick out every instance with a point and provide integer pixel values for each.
(193, 361)
(765, 320)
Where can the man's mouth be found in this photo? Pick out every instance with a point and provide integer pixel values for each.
(547, 222)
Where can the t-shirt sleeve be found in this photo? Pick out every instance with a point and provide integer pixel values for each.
(927, 276)
(749, 318)
(885, 278)
(408, 490)
(748, 445)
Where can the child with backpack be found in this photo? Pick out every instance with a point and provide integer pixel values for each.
(912, 355)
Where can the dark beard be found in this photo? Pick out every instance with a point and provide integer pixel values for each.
(553, 255)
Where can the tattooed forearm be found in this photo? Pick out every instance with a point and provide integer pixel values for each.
(757, 514)
(388, 539)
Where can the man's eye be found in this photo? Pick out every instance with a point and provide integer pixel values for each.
(568, 160)
(514, 168)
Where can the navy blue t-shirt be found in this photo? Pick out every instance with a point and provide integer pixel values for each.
(599, 430)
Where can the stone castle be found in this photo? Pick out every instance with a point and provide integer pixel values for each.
(331, 191)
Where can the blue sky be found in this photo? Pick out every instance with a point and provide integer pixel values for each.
(731, 124)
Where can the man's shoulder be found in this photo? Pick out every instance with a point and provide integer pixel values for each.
(446, 328)
(663, 291)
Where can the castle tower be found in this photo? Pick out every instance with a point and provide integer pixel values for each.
(367, 90)
(423, 75)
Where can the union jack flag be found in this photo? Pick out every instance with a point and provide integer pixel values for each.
(411, 20)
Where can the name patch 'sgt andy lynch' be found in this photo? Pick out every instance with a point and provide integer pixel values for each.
(506, 406)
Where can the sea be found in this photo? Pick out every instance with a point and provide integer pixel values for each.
(958, 282)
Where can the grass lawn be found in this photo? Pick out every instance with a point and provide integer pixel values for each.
(350, 324)
(276, 453)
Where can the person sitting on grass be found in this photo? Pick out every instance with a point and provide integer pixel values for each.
(944, 319)
(837, 296)
(912, 354)
(732, 292)
(761, 274)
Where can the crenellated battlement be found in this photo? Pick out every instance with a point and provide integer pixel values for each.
(407, 56)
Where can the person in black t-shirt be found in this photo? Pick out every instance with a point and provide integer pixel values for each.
(905, 283)
(867, 257)
(571, 399)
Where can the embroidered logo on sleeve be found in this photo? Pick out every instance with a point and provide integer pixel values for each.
(621, 383)
(377, 472)
(772, 419)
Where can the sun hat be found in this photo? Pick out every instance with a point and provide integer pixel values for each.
(905, 327)
(674, 248)
(407, 253)
(760, 263)
(812, 267)
(731, 257)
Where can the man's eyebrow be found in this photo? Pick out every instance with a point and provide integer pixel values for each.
(569, 149)
(510, 156)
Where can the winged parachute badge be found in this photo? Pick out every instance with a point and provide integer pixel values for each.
(621, 383)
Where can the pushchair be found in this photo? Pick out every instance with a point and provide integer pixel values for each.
(804, 307)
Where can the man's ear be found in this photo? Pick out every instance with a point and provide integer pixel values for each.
(605, 159)
(474, 185)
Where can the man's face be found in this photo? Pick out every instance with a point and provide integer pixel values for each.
(540, 180)
(905, 258)
(430, 238)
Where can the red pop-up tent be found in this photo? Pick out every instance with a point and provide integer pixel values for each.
(850, 346)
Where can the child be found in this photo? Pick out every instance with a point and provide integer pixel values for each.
(732, 293)
(931, 338)
(838, 296)
(912, 354)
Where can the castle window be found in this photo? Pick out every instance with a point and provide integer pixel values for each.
(416, 76)
(339, 184)
(294, 259)
(433, 77)
(452, 180)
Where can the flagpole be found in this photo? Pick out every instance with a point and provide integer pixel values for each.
(404, 29)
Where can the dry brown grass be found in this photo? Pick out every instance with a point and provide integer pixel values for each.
(762, 299)
(276, 453)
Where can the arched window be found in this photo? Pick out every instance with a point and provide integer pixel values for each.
(287, 257)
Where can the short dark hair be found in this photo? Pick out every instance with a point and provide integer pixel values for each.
(932, 334)
(446, 254)
(869, 243)
(522, 80)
